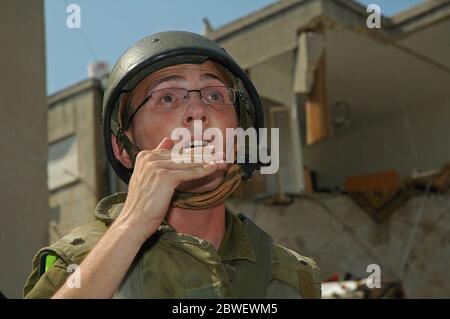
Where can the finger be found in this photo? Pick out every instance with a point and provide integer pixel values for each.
(169, 164)
(205, 153)
(179, 158)
(195, 173)
(196, 150)
(186, 151)
(197, 155)
(166, 143)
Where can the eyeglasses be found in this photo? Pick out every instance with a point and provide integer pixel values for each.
(174, 97)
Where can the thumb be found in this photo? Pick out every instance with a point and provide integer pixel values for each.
(166, 143)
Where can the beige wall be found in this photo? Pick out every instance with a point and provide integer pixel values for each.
(274, 36)
(399, 111)
(399, 143)
(24, 196)
(273, 81)
(343, 238)
(76, 111)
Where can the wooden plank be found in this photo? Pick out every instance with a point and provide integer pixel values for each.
(316, 109)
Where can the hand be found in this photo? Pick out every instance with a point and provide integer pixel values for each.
(152, 184)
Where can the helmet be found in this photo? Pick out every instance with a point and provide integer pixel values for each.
(165, 49)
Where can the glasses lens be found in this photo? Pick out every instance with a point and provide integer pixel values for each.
(218, 95)
(172, 97)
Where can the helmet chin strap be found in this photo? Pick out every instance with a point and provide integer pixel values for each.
(195, 201)
(213, 197)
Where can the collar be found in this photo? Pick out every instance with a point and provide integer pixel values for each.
(110, 207)
(235, 245)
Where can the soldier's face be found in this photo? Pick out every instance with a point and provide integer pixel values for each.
(151, 125)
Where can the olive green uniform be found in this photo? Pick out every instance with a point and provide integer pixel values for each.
(175, 265)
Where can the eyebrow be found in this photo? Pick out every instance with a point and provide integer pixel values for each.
(210, 76)
(167, 79)
(175, 77)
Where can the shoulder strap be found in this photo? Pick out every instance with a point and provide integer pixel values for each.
(300, 272)
(308, 284)
(252, 279)
(72, 248)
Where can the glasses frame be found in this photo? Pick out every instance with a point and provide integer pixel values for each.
(149, 96)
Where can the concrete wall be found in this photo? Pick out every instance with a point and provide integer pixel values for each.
(403, 143)
(423, 43)
(76, 111)
(343, 238)
(272, 36)
(397, 91)
(273, 81)
(24, 196)
(273, 78)
(399, 110)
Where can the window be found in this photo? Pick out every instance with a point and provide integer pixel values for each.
(62, 164)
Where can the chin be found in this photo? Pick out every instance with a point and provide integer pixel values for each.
(203, 184)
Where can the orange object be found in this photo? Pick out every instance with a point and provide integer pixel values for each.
(381, 181)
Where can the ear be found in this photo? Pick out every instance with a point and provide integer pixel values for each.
(120, 153)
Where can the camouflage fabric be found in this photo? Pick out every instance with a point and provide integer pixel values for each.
(174, 265)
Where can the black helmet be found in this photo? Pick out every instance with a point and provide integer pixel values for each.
(161, 50)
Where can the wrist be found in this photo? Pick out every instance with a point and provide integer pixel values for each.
(134, 228)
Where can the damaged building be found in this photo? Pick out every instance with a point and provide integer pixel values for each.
(363, 117)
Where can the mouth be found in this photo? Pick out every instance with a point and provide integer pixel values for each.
(197, 143)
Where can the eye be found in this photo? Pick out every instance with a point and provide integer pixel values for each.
(215, 96)
(167, 98)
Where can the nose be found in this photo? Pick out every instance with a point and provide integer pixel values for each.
(195, 110)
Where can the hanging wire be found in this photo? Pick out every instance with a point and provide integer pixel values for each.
(409, 244)
(402, 270)
(84, 38)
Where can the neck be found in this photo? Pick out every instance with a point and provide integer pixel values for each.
(207, 224)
